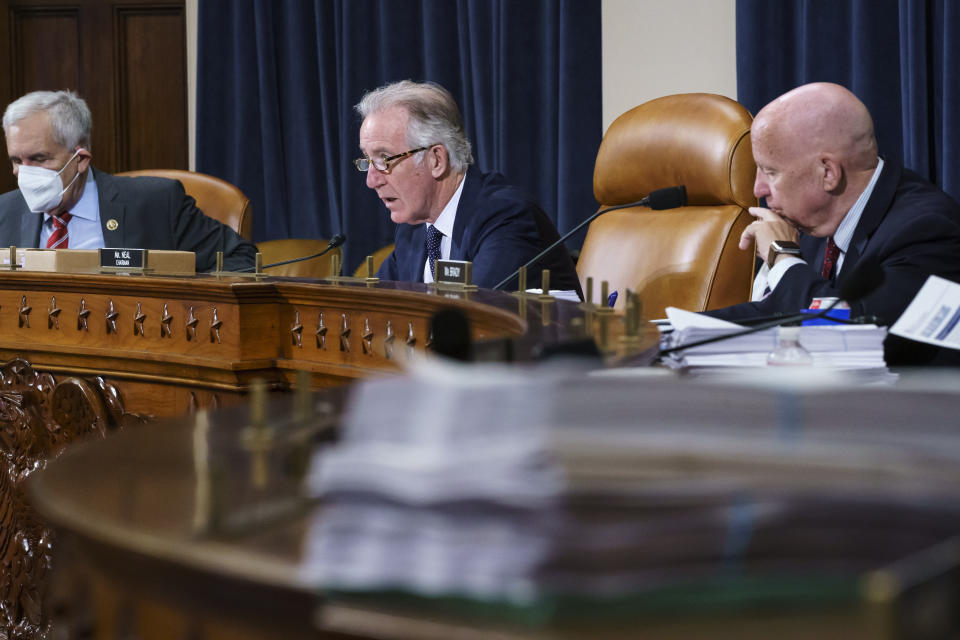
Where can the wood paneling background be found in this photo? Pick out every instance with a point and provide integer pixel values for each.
(126, 58)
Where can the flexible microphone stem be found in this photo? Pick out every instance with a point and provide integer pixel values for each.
(563, 239)
(337, 240)
(659, 199)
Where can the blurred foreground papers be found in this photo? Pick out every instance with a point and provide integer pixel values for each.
(547, 491)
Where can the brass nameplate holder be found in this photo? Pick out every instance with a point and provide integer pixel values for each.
(257, 272)
(631, 339)
(12, 265)
(370, 279)
(454, 275)
(130, 261)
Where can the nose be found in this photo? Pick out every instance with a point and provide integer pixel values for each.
(761, 189)
(374, 178)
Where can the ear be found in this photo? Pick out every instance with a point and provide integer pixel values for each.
(84, 159)
(832, 173)
(437, 161)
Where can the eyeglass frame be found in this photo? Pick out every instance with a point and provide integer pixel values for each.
(388, 159)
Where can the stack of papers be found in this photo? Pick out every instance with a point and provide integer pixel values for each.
(533, 489)
(837, 346)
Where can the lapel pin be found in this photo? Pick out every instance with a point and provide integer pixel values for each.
(112, 224)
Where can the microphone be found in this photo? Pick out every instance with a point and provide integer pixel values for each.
(865, 277)
(335, 242)
(450, 329)
(669, 198)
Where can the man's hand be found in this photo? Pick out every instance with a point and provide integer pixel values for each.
(767, 227)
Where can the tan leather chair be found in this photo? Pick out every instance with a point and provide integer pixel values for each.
(215, 197)
(289, 248)
(378, 257)
(685, 257)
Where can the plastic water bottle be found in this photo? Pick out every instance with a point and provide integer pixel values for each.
(789, 352)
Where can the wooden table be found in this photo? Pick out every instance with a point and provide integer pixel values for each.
(87, 354)
(138, 513)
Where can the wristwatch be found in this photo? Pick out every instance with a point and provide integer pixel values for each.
(782, 246)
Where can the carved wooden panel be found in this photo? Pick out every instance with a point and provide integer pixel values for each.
(38, 418)
(152, 87)
(45, 48)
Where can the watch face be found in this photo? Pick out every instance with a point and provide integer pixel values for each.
(785, 246)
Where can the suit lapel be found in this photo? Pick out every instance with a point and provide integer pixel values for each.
(30, 224)
(417, 255)
(873, 213)
(471, 187)
(112, 211)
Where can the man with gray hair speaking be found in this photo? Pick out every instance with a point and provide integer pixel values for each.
(416, 156)
(62, 202)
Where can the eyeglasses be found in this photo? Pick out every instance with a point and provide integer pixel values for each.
(382, 164)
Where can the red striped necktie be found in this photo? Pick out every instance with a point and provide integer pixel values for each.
(830, 260)
(59, 238)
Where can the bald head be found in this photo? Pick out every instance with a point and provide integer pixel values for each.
(820, 118)
(815, 152)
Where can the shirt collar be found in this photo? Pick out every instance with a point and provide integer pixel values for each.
(844, 233)
(448, 216)
(87, 207)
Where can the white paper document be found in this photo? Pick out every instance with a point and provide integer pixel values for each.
(933, 316)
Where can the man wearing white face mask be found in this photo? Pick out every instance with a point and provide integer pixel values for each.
(63, 202)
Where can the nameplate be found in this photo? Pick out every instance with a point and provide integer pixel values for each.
(455, 273)
(123, 258)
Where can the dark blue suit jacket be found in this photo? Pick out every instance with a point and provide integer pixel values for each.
(151, 213)
(498, 228)
(911, 230)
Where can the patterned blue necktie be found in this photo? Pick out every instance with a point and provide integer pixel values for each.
(434, 236)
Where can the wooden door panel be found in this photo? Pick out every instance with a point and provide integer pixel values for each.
(126, 58)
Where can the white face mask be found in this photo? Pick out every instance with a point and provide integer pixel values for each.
(41, 187)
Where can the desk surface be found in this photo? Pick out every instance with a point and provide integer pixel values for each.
(144, 505)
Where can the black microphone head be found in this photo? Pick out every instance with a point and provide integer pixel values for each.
(450, 329)
(337, 240)
(669, 198)
(865, 277)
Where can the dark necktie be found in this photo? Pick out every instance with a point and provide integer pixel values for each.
(830, 259)
(59, 238)
(434, 236)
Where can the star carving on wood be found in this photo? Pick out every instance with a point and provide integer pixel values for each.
(321, 333)
(388, 341)
(111, 317)
(138, 318)
(191, 326)
(296, 331)
(165, 321)
(215, 325)
(344, 334)
(53, 314)
(367, 338)
(24, 316)
(411, 338)
(83, 315)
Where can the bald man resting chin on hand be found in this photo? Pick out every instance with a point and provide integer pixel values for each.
(832, 203)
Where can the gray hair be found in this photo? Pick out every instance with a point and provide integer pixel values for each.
(434, 117)
(70, 120)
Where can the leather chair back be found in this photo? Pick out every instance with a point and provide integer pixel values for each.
(217, 198)
(289, 248)
(685, 257)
